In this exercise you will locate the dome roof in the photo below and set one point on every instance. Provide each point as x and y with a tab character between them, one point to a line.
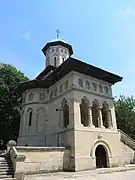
56	42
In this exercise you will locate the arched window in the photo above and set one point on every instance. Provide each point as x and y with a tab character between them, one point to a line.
94	86
55	61
100	88
87	84
30	97
63	59
106	90
65	109
95	113
29	117
84	107
40	120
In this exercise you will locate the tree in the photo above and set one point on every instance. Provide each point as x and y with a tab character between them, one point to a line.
10	101
125	114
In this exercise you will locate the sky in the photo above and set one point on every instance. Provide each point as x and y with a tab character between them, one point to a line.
101	32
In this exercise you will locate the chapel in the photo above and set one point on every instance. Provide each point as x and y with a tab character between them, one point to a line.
70	104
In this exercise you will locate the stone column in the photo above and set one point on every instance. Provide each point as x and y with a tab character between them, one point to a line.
71	112
90	122
21	129
33	127
100	119
74	113
109	119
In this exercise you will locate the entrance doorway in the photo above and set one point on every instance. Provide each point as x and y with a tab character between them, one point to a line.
101	157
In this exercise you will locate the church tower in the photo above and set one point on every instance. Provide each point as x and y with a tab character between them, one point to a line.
56	52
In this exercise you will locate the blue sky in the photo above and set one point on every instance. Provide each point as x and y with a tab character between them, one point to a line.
102	33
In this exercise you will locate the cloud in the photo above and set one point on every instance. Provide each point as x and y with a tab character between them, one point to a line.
25	36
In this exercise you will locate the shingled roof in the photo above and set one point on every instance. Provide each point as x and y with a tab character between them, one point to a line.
56	43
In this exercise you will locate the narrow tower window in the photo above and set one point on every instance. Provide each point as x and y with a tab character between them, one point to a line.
30	118
55	63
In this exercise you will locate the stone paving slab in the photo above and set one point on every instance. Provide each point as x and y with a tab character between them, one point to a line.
100	174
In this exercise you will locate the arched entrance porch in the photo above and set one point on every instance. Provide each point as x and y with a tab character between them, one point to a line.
101	154
101	157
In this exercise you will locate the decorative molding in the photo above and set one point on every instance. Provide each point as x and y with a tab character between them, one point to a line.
99	136
94	86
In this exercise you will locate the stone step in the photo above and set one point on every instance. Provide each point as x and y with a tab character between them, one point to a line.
2	159
5	162
5	176
6	169
5	166
6	172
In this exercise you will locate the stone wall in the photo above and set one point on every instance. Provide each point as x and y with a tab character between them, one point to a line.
47	159
128	154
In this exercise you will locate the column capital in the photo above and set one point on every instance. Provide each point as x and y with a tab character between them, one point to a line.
99	106
72	100
90	105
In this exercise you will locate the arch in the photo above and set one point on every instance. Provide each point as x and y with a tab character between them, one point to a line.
104	144
29	116
40	120
101	157
95	105
84	108
63	58
65	109
30	96
55	61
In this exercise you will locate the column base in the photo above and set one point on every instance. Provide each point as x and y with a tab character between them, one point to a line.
91	126
101	126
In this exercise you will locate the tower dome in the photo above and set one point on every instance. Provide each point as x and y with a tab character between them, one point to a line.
56	52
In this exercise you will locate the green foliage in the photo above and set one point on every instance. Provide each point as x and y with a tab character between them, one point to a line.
125	114
10	101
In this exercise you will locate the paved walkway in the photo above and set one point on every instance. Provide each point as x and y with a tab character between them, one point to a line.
100	174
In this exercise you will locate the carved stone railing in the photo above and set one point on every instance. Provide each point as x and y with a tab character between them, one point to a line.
126	139
16	159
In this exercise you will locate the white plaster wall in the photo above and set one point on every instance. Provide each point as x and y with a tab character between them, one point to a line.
49	124
58	54
85	155
83	158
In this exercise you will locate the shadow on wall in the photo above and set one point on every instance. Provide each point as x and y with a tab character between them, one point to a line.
68	162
